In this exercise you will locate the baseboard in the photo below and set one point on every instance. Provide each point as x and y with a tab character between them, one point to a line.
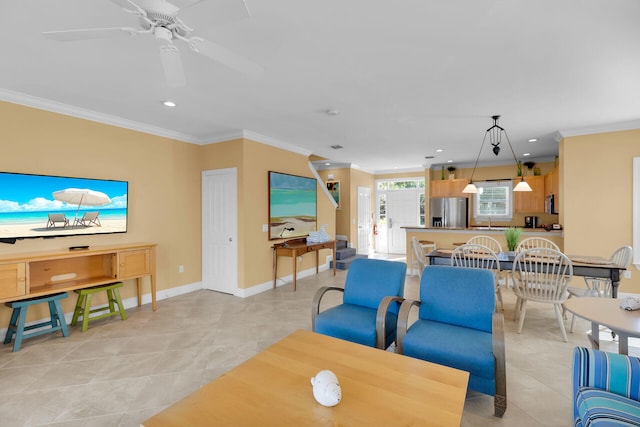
129	302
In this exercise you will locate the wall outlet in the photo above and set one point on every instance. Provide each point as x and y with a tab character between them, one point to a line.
626	274
265	228
181	269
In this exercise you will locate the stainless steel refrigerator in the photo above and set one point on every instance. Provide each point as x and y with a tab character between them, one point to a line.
449	212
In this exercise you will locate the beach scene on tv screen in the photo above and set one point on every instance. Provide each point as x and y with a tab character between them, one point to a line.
47	206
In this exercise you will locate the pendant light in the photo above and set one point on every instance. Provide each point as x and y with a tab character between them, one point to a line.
495	137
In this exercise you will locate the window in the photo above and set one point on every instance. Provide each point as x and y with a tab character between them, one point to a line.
493	200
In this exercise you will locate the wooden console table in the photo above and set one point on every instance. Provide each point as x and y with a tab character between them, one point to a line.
294	248
35	274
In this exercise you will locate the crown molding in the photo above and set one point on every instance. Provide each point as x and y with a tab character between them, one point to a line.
610	127
94	116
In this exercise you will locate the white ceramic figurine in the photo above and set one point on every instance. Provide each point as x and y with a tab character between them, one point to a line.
326	389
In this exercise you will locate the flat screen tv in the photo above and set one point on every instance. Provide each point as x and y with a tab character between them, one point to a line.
54	206
292	205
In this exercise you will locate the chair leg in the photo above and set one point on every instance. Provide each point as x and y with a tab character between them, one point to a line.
499	405
20	329
78	309
13	324
522	312
123	314
573	322
86	312
60	316
560	321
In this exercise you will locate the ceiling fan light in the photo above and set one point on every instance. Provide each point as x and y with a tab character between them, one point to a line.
522	186
470	189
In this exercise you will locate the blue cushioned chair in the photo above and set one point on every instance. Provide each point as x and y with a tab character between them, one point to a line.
458	326
373	292
606	388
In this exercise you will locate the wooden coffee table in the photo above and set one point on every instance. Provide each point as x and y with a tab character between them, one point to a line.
273	389
606	312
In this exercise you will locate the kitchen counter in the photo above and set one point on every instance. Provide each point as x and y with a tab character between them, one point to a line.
446	237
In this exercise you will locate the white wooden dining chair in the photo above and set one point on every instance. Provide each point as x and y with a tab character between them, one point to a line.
419	258
479	256
487	241
535	243
541	275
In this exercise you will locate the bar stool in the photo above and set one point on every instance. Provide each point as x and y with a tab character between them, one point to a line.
83	305
19	315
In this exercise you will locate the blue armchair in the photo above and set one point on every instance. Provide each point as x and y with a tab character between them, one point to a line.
606	388
373	292
458	326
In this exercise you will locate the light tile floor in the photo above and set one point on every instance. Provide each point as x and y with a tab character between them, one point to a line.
119	373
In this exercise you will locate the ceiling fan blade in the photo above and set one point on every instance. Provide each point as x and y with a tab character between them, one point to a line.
225	57
91	33
172	65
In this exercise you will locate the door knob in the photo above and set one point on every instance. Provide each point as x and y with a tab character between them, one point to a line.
231	239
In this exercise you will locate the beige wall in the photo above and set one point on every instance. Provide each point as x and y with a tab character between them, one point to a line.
163	175
254	161
164	178
596	179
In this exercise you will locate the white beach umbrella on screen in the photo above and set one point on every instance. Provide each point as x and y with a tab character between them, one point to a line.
81	197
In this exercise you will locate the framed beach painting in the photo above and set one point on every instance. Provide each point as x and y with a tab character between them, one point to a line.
292	205
334	190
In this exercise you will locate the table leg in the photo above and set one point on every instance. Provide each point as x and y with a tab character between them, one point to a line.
623	343
317	260
334	258
139	284
295	269
594	336
275	267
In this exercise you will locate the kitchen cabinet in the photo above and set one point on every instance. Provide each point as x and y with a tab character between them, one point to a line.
448	187
552	183
552	187
530	201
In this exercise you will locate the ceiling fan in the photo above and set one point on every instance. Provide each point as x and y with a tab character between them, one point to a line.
159	18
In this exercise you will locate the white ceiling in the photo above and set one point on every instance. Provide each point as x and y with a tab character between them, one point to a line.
407	76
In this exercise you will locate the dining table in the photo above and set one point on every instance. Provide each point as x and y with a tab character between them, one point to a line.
583	265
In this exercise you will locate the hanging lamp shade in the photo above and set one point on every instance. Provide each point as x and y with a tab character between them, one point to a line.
495	137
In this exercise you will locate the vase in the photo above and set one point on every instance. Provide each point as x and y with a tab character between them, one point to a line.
452	175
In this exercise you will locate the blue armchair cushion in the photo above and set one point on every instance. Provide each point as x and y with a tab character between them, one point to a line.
598	407
355	323
370	280
611	373
455	346
471	305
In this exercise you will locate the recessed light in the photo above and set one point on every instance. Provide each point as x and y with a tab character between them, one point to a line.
526	154
533	140
327	164
439	150
169	104
332	112
449	161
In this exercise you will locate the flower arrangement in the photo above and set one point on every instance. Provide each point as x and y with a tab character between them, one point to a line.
512	236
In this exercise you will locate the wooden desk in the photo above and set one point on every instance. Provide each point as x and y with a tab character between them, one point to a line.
598	269
379	388
606	312
35	274
296	247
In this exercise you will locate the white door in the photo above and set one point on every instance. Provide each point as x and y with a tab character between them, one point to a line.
219	230
402	211
364	220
